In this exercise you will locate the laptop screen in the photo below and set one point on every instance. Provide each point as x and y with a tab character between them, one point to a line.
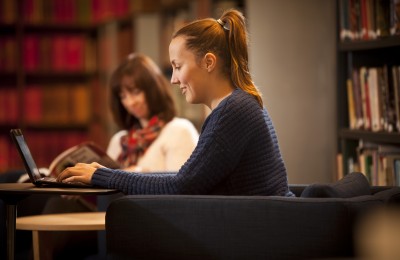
26	155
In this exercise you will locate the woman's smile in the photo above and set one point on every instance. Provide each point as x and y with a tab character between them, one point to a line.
183	90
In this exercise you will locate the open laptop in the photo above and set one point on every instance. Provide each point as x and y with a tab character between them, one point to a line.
32	169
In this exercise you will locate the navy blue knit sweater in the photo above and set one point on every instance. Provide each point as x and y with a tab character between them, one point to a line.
237	154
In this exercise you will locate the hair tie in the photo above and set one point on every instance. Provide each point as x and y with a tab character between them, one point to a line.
223	24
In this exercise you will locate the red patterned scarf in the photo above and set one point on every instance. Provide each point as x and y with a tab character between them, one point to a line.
136	142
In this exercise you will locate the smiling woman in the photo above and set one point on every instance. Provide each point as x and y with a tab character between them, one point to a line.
238	151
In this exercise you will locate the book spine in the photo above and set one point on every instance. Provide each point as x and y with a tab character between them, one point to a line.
358	99
12	106
74	53
8	11
4	151
365	98
383	99
80	100
397	171
364	20
3	105
374	99
7	54
31	53
396	88
382	9
351	105
345	32
394	17
355	19
33	104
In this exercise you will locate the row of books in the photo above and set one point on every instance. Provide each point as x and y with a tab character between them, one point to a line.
54	105
44	146
58	53
379	163
374	99
368	19
84	12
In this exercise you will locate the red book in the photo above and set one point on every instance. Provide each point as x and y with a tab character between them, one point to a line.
67	12
12	111
58	53
2	54
14	161
364	20
31	53
3	105
75	53
58	15
33	100
4	158
28	10
96	11
121	8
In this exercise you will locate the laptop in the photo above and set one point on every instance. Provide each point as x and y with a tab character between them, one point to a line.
33	171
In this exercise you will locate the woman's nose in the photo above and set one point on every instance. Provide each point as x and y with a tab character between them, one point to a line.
130	100
174	79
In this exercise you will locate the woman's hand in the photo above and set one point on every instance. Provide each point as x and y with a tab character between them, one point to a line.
81	172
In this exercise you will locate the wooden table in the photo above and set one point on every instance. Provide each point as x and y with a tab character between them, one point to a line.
12	193
60	222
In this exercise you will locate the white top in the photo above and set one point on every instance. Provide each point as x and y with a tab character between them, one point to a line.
168	152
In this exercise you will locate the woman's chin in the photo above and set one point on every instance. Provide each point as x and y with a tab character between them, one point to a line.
189	99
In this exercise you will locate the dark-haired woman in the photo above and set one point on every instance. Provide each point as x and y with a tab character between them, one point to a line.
152	137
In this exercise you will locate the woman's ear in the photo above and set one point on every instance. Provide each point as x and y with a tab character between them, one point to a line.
210	61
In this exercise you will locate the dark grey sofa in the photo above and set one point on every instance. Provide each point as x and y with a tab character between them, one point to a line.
241	227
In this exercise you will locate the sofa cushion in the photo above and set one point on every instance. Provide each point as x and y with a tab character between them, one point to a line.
352	185
390	196
233	227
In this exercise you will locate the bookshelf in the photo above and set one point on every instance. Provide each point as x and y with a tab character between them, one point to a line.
56	57
368	91
52	85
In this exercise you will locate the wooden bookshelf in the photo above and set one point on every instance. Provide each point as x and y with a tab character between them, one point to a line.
359	59
381	137
54	100
109	33
390	41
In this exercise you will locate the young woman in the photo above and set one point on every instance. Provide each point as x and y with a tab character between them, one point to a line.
153	138
237	152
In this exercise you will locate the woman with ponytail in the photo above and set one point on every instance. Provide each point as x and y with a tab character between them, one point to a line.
237	152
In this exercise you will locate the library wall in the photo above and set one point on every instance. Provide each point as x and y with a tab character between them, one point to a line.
292	58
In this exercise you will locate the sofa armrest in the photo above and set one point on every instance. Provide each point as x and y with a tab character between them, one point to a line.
221	227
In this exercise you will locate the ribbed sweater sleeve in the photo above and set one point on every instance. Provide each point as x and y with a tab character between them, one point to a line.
219	153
